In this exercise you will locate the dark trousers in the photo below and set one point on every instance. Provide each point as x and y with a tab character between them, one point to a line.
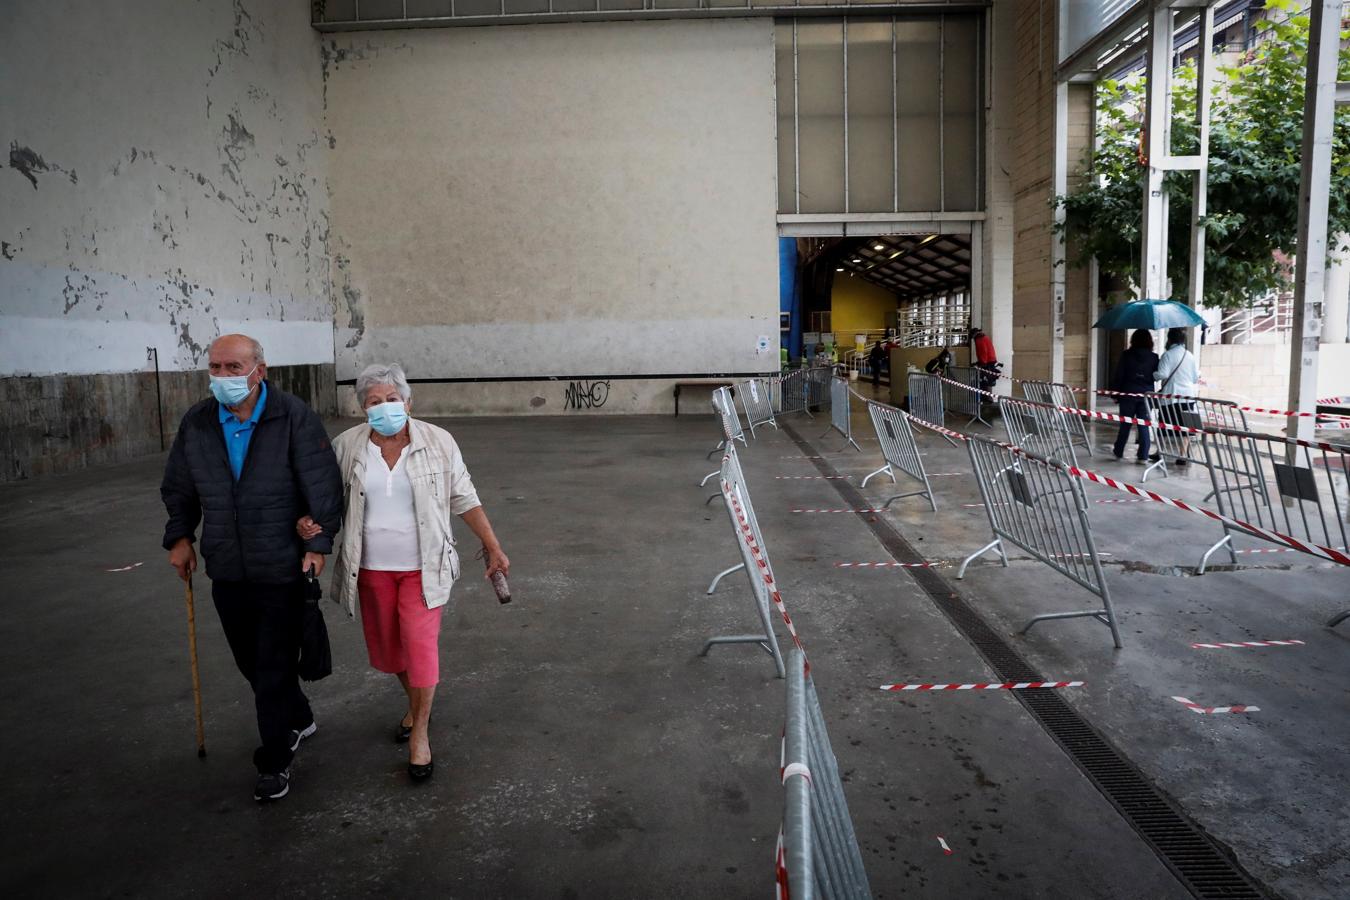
1135	407
262	626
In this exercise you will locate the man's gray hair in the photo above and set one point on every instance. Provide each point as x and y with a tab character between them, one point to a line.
256	347
382	374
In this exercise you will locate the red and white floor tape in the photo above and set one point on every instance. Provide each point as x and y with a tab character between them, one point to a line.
1241	644
1211	710
983	686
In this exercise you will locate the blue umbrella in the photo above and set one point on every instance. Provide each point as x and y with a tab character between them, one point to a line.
1150	314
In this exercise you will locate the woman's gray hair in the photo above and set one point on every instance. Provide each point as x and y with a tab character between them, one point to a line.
382	374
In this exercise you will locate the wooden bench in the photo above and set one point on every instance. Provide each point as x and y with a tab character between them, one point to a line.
699	382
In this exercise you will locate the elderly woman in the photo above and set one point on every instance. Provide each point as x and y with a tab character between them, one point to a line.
403	480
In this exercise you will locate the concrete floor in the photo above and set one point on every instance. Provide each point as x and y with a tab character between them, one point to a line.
583	748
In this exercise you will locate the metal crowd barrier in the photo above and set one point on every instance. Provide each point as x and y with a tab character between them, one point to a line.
757	401
1201	412
803	390
725	407
1057	395
820	857
818	388
841	418
899	449
733	486
1298	488
925	400
1034	503
791	393
1037	427
967	400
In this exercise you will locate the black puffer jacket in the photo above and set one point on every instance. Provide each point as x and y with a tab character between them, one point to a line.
1134	372
248	531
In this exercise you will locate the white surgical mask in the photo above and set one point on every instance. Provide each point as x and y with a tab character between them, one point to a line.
231	390
387	418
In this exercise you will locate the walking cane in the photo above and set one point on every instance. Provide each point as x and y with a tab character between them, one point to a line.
196	677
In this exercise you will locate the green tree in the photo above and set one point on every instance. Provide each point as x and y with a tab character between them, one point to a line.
1256	128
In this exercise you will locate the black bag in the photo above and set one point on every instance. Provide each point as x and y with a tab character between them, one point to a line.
316	656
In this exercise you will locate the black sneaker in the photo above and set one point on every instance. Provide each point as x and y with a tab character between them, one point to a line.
298	735
272	786
1155	457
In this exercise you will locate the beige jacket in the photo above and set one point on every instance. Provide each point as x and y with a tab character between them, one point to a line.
441	489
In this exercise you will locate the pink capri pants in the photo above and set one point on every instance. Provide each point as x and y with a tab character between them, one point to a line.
402	635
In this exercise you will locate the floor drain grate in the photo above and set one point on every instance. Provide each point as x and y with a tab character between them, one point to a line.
1206	868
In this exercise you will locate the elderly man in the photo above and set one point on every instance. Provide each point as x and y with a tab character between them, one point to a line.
247	463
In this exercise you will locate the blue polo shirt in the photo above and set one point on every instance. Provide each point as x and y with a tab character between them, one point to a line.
238	434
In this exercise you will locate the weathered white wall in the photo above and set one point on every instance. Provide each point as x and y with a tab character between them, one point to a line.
1258	374
164	184
555	200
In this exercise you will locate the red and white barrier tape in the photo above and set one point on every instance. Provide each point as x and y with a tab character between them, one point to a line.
1197	708
1132	420
1241	644
811	477
983	686
1329	553
965	386
888	565
763	565
780	872
863	510
942	842
1275	550
1283	413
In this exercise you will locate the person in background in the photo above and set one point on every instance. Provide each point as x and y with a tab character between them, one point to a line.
245	463
1179	373
986	360
939	364
1134	375
875	359
404	478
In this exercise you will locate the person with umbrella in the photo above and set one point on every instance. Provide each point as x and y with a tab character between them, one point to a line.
244	464
404	479
1177	370
1134	375
1179	373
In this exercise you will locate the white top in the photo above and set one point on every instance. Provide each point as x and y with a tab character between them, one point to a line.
389	533
1182	372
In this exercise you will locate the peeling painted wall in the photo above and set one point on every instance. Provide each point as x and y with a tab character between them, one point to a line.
555	200
162	180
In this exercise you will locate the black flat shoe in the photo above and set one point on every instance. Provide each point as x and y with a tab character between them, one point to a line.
402	733
419	772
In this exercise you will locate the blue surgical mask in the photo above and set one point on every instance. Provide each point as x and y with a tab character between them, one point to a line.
387	418
231	390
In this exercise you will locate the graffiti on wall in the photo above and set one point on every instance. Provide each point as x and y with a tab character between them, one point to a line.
586	395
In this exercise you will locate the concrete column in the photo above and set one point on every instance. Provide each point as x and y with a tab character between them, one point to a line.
1037	316
1313	208
1336	303
998	234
